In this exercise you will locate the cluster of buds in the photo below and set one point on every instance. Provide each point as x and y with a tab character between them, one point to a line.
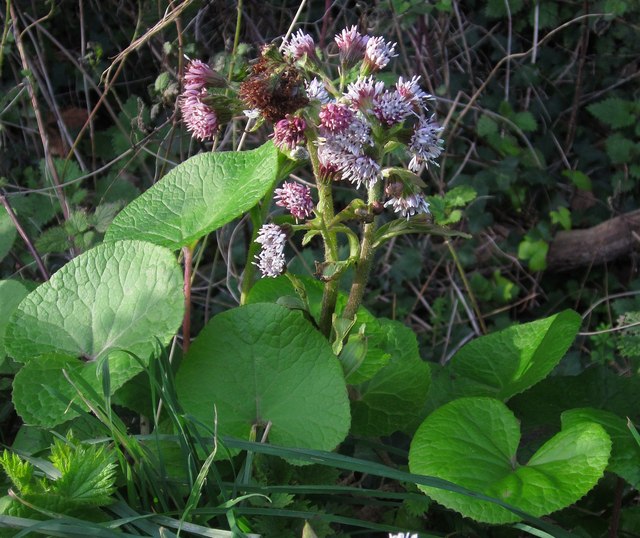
350	124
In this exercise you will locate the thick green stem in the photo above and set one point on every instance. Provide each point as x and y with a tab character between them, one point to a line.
365	260
363	268
326	213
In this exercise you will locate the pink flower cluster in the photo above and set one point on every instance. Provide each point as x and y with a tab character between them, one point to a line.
201	120
296	198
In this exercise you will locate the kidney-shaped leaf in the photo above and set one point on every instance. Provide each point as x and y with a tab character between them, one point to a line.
262	364
115	298
198	196
125	295
507	362
472	442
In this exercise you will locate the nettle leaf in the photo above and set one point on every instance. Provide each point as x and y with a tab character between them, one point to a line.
393	400
116	298
11	294
507	362
198	196
263	364
619	148
614	111
473	442
625	452
7	234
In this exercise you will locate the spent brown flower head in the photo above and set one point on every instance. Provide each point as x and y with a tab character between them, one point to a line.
276	89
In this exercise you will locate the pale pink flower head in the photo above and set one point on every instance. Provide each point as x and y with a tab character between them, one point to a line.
296	198
412	92
201	120
288	133
335	117
198	75
377	54
391	108
408	205
360	170
316	91
271	260
298	45
426	144
352	45
362	93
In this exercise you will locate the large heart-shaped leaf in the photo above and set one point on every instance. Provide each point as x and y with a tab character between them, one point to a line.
473	443
625	452
262	364
507	362
11	294
116	298
198	196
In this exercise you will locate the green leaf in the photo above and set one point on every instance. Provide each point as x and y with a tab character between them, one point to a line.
417	224
198	196
473	442
460	196
88	474
525	121
7	233
11	294
619	148
486	126
507	362
562	217
535	251
614	111
262	364
118	296
393	400
625	452
579	179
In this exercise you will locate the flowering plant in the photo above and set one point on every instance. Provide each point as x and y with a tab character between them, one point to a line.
346	123
300	363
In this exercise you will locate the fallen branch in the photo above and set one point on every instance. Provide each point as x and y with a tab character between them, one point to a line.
593	246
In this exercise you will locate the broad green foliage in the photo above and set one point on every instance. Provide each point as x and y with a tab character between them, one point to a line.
507	362
473	443
391	361
11	293
116	298
82	478
7	233
625	452
260	365
198	196
393	399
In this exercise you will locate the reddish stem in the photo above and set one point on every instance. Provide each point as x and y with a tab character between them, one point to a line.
186	322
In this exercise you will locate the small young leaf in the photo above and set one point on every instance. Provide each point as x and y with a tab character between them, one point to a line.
579	179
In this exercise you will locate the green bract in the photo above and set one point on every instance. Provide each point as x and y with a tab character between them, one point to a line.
116	298
262	364
198	196
472	442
